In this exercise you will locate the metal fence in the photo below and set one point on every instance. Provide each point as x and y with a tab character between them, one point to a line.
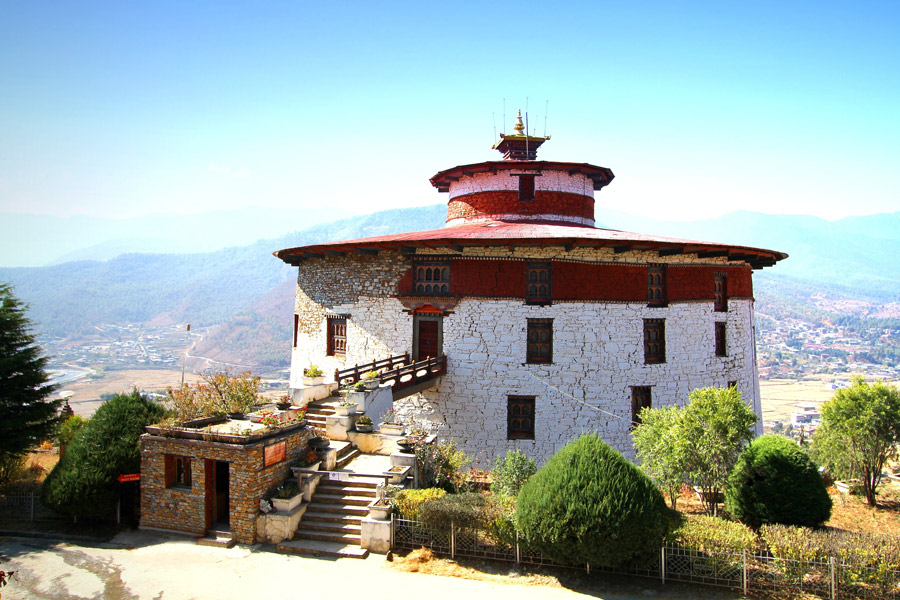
748	571
27	506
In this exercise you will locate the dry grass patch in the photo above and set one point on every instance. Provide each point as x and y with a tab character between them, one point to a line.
423	560
851	513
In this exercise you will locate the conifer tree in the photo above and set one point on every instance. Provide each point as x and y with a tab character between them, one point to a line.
27	414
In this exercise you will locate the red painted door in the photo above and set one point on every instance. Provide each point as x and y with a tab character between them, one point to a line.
428	339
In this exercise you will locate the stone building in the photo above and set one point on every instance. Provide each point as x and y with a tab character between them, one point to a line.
551	326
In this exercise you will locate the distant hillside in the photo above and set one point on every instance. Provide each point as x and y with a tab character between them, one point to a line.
244	294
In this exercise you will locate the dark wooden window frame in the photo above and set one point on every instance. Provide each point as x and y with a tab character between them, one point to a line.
296	327
520	417
721	332
526	188
641	397
535	353
431	278
654	341
537	291
177	471
337	336
720	303
656	285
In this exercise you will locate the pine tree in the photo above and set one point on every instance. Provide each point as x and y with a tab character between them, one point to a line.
27	414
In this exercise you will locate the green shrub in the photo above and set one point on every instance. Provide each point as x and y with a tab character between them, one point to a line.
69	428
588	504
83	482
469	509
407	502
774	481
712	534
12	466
510	473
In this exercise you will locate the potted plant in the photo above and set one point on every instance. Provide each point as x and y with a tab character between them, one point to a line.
371	380
287	497
359	386
390	423
313	375
398	473
319	442
284	403
345	407
407	445
309	460
300	416
383	505
364	424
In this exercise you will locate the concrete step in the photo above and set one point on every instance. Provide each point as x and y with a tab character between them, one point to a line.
347	458
330	527
330	517
342	509
322	536
361	484
346	490
319	548
217	539
339	499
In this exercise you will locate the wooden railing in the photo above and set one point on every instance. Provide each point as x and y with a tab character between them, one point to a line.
409	375
355	373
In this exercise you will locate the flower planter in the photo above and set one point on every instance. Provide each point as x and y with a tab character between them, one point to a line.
283	405
391	428
344	410
287	505
381	512
397	473
237	416
371	384
364	428
314	380
318	443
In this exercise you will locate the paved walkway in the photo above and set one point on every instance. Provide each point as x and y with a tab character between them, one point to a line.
146	565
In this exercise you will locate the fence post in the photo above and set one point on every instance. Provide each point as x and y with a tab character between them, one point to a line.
746	584
662	564
452	540
393	526
833	580
518	550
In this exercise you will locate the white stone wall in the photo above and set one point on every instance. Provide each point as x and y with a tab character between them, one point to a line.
549	180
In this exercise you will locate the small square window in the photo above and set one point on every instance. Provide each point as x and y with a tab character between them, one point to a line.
656	286
540	341
654	340
732	384
641	398
538	283
721	349
178	471
337	336
520	418
431	279
721	298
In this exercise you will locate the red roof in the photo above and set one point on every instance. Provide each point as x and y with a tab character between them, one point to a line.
534	234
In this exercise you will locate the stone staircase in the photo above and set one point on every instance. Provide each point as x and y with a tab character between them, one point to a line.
217	538
331	523
317	410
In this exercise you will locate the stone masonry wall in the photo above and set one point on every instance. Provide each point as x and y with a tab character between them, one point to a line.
182	509
597	349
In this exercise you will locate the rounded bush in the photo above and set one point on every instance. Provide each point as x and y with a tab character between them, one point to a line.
589	504
774	481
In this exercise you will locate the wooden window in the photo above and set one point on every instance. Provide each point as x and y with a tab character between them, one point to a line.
538	283
720	339
520	418
296	326
656	286
540	341
337	336
640	398
432	279
526	188
654	340
178	471
721	301
732	384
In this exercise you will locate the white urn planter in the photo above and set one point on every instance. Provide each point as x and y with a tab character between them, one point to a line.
391	428
287	505
313	380
380	512
343	410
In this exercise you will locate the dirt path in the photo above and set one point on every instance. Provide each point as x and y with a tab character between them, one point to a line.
145	565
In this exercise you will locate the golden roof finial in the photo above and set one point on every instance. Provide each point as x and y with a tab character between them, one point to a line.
519	127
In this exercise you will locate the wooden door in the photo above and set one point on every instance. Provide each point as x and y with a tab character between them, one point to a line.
427	334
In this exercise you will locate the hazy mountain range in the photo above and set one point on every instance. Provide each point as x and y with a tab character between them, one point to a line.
245	292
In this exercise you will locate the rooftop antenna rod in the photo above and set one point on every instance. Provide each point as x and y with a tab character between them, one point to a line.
546	108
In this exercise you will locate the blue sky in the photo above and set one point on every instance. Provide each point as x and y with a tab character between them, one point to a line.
120	109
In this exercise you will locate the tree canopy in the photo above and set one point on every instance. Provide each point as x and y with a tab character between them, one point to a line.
27	413
659	448
859	433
